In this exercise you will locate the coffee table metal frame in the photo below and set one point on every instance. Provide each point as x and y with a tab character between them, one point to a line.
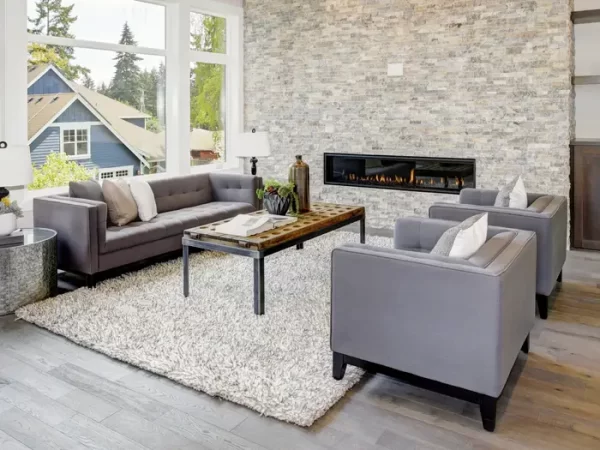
259	255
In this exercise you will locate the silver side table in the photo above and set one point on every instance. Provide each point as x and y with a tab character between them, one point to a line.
28	272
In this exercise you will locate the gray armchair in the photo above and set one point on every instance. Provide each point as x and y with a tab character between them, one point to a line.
546	216
460	323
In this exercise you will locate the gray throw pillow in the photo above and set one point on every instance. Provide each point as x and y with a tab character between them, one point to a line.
122	208
88	190
446	242
503	198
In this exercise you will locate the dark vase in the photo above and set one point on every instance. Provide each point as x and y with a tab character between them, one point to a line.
276	204
299	174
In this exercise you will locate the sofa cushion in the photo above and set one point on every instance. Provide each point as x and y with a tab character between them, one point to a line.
182	192
179	221
88	190
492	248
170	224
132	234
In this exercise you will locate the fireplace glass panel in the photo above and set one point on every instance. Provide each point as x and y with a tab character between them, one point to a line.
444	175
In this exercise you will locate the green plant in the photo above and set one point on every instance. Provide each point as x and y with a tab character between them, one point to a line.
283	190
58	171
8	207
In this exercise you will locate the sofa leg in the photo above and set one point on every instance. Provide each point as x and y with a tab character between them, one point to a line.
525	348
487	406
542	303
339	366
560	277
90	281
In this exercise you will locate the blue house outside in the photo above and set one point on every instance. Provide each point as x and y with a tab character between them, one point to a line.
97	132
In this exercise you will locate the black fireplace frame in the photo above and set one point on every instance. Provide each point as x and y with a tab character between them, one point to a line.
413	159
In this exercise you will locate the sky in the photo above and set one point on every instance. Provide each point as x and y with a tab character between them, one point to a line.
103	21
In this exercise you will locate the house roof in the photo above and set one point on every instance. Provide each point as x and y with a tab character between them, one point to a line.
150	146
44	109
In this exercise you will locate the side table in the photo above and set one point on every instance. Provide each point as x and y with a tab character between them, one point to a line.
28	271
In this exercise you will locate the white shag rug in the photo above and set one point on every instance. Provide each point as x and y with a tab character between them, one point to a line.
278	364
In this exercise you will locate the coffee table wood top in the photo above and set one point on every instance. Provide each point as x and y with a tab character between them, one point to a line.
321	216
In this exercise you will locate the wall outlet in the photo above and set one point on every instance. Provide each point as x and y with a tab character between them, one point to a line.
395	70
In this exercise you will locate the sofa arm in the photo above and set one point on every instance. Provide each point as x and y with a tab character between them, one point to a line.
550	226
230	187
452	323
81	228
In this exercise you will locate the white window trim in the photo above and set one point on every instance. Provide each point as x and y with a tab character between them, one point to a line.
178	57
75	126
129	170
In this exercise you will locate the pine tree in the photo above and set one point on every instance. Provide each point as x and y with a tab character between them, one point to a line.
126	85
88	82
54	19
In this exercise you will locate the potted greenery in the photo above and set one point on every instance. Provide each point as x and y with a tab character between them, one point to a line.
278	197
8	216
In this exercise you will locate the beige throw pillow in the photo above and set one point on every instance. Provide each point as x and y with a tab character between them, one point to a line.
122	208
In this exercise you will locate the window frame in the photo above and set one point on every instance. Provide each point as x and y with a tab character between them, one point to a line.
76	126
114	170
178	58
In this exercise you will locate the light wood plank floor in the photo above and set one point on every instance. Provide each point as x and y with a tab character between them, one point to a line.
57	395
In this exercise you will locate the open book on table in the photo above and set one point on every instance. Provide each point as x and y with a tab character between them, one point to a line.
247	225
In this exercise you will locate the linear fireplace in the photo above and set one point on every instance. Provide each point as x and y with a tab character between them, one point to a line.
444	175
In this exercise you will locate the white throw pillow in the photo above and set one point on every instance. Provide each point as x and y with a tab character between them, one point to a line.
513	195
518	196
463	240
144	197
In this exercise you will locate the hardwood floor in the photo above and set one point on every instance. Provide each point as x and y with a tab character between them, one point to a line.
57	395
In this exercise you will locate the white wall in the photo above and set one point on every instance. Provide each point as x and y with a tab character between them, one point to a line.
2	67
587	4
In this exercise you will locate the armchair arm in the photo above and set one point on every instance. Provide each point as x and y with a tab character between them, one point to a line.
451	322
230	187
81	228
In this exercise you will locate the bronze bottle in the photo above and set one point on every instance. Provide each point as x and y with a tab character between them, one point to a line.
299	174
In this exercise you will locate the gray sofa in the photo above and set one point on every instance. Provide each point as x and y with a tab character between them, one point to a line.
546	215
460	323
89	245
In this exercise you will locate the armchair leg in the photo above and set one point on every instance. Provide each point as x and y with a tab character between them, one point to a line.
560	277
487	407
339	366
525	348
90	281
542	303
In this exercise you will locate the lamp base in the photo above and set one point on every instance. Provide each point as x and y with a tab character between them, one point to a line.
3	193
254	161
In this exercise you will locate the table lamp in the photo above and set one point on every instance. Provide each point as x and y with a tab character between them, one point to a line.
251	145
15	167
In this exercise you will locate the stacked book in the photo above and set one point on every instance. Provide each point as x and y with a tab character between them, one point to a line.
12	240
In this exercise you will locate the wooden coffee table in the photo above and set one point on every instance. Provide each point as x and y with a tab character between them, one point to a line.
323	218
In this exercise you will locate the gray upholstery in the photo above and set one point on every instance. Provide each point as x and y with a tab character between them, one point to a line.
88	246
448	320
546	216
89	190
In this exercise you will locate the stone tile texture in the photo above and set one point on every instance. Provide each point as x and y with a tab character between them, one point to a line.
482	79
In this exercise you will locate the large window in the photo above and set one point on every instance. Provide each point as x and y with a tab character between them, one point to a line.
208	99
123	87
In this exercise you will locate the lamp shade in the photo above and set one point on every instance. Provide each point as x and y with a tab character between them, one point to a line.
249	145
15	166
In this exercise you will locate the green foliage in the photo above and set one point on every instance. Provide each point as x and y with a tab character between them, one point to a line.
54	19
59	171
8	207
208	80
126	85
283	190
88	82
